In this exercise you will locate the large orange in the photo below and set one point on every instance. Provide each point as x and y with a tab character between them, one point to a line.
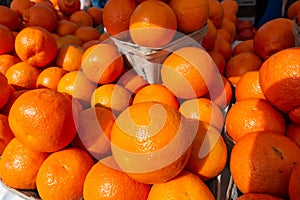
294	183
146	28
7	40
262	163
253	115
5	91
188	72
151	142
9	18
50	77
62	174
184	186
191	14
69	57
36	46
6	134
50	125
106	181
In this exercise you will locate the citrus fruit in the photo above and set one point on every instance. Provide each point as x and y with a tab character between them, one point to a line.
50	77
5	91
6	134
7	40
294	184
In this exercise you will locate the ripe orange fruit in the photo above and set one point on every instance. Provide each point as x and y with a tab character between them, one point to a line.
230	6
96	14
216	12
224	34
6	61
19	6
118	185
13	96
279	78
112	96
241	63
90	43
22	76
188	72
223	47
209	152
191	15
51	124
5	91
81	18
294	115
19	165
148	29
293	132
6	134
294	184
219	61
67	7
176	188
156	92
248	86
116	17
243	46
7	40
210	37
68	39
50	77
253	115
36	46
231	16
9	18
256	157
87	33
132	81
228	25
65	27
154	136
293	10
62	174
257	196
102	63
203	109
273	36
69	57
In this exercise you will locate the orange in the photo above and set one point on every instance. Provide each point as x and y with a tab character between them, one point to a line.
65	27
62	174
5	91
203	109
112	96
6	61
67	7
69	57
230	6
188	72
90	43
243	46
68	39
6	134
22	76
50	77
150	142
294	115
13	96
184	186
210	37
94	130
223	47
104	37
106	181
9	18
279	77
241	63
132	81
262	163
293	132
19	165
273	36
36	46
228	25
219	61
76	84
96	14
209	152
248	86
191	15
156	92
216	12
294	184
253	115
116	17
231	15
293	10
50	126
19	6
257	196
148	29
81	18
102	63
87	33
224	34
7	40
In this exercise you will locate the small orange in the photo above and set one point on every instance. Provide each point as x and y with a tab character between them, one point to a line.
263	162
5	91
50	125
62	174
293	10
209	152
13	96
7	40
65	27
230	6
96	14
9	18
6	61
19	165
294	184
148	29
231	15
112	96
150	142
87	33
294	115
224	34
132	81
67	7
6	134
191	15
184	186
68	39
102	63
253	115
248	86
219	60
50	77
257	196
69	57
90	43
243	46
22	76
293	132
36	46
216	12
81	18
19	6
188	72
105	180
210	37
228	25
223	47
